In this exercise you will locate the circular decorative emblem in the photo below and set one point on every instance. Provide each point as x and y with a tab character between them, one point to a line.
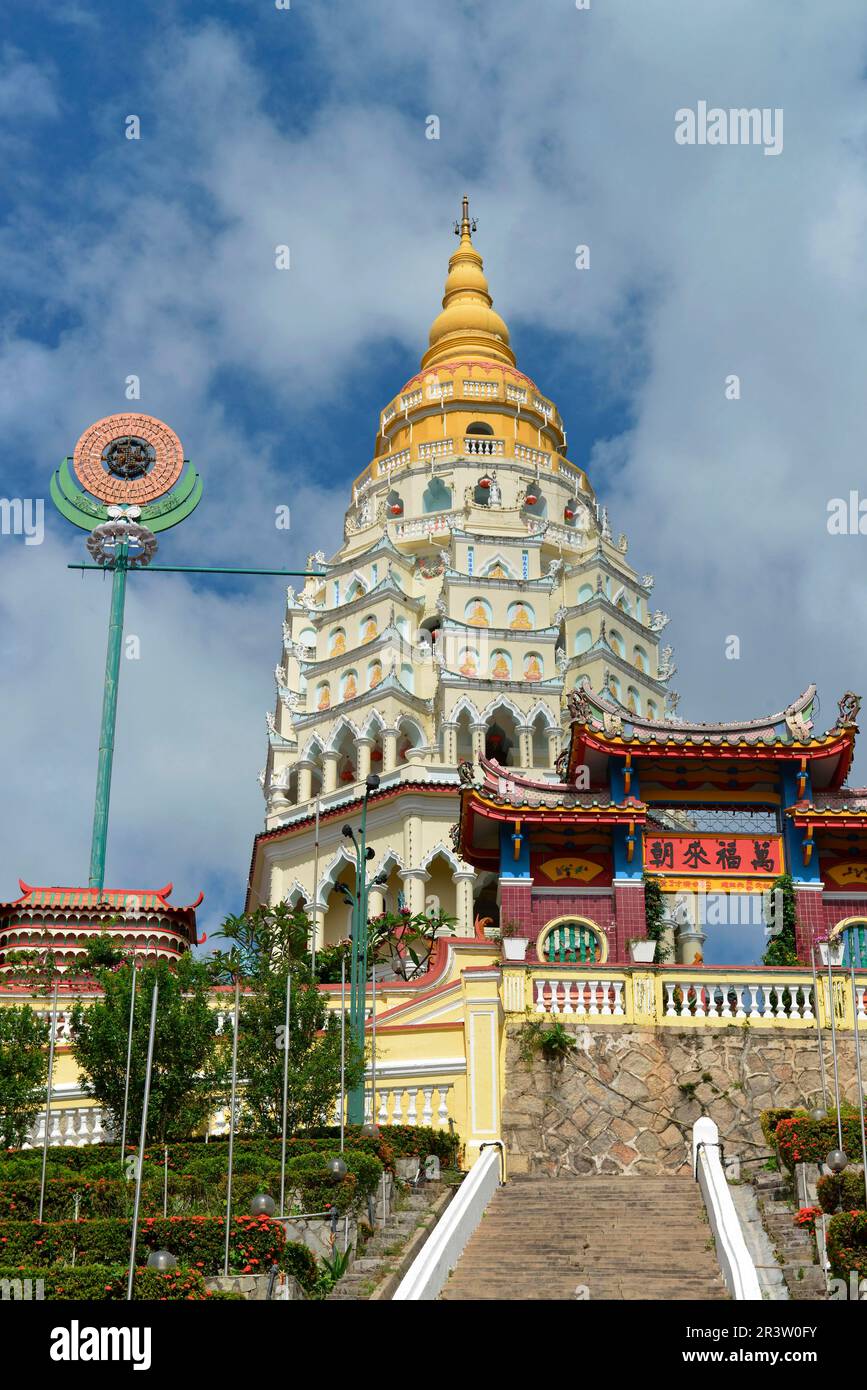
128	459
104	540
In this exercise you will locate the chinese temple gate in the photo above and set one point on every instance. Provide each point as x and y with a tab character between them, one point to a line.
712	811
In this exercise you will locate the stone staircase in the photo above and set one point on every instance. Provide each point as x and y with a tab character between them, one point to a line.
383	1252
615	1237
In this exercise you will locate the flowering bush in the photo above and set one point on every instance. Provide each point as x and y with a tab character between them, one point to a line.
846	1190
847	1244
255	1243
804	1140
806	1218
319	1190
108	1283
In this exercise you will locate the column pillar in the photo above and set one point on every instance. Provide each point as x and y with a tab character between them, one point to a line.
483	1025
330	759
450	744
364	747
478	732
305	782
389	750
525	745
464	880
555	744
414	881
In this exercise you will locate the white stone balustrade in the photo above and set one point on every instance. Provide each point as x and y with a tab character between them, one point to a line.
583	997
71	1128
486	390
725	999
436	448
528	455
424	1103
484	447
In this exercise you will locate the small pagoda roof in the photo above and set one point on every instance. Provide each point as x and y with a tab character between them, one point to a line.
503	794
845	805
602	726
98	906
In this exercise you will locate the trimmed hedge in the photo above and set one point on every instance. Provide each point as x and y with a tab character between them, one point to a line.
318	1190
803	1140
107	1283
209	1159
255	1243
842	1190
114	1196
847	1244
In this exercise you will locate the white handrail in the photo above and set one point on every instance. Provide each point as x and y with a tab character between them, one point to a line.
426	1276
735	1260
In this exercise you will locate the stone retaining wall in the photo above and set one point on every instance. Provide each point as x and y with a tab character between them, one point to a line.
626	1100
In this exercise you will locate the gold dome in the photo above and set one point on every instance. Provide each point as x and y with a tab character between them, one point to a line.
468	326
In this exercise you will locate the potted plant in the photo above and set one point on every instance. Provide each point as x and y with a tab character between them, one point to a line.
514	945
642	950
834	949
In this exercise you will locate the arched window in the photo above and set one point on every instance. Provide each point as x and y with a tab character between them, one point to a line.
368	628
374	674
534	666
479	427
652	712
323	695
307	636
615	687
615	642
349	685
436	496
583	640
640	659
500	665
633	699
468	661
337	642
585	593
407	677
572	941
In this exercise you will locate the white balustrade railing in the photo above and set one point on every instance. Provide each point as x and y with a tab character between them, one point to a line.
861	1000
423	1103
392	462
71	1128
516	394
483	447
587	997
528	455
411	399
488	390
436	448
751	1000
441	390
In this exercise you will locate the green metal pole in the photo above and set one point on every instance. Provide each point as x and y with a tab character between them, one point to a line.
359	967
109	720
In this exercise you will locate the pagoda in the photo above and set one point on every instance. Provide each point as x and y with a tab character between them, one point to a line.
478	580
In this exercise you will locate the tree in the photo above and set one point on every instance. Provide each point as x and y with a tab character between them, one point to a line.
267	945
190	1065
23	1071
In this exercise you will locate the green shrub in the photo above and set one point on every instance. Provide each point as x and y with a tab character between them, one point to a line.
301	1262
108	1283
804	1140
318	1190
771	1118
847	1244
198	1241
842	1190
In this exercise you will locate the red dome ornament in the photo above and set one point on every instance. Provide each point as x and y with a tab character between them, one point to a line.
485	483
531	499
568	513
396	508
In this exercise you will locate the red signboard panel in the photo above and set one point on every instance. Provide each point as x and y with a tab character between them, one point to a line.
714	854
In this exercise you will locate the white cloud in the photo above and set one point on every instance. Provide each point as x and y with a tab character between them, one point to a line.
704	261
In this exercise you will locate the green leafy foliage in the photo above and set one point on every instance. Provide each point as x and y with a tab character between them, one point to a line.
101	1283
23	1071
318	1190
655	916
847	1244
844	1191
551	1039
190	1067
804	1140
781	947
255	1243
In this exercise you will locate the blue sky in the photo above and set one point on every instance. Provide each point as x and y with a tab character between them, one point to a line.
307	127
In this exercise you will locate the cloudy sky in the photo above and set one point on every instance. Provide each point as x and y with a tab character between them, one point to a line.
307	128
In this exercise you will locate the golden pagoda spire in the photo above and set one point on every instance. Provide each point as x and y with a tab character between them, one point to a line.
468	326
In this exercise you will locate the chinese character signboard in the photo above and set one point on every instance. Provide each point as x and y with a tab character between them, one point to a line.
571	870
845	875
706	855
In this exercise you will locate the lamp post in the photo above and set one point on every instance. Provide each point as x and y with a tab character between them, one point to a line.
857	1041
